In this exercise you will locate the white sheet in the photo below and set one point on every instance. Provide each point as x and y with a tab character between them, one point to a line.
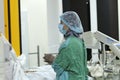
15	71
42	73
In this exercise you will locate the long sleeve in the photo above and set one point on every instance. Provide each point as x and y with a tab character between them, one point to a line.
60	64
70	63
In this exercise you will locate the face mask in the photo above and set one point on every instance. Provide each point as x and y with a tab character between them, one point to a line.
60	26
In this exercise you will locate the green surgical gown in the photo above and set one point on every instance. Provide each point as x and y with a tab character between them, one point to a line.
70	63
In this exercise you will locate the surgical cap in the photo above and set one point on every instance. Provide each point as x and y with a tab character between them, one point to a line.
72	20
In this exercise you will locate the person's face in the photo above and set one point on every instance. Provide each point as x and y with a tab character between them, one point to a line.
65	26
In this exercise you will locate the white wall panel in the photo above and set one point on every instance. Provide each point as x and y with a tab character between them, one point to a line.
1	16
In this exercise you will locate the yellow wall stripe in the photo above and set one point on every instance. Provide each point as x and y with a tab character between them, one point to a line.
12	23
15	32
6	19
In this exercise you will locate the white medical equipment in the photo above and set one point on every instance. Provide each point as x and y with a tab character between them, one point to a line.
112	43
98	40
116	48
93	40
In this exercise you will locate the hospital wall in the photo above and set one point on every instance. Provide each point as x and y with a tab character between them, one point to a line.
93	15
119	17
40	18
54	10
37	19
93	19
1	16
36	28
1	43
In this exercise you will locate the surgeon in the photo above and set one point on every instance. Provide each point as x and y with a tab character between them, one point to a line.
70	63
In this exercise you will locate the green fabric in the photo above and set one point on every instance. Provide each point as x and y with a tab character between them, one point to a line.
72	59
61	73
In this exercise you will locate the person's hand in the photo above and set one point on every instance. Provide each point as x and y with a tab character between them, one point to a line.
48	58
